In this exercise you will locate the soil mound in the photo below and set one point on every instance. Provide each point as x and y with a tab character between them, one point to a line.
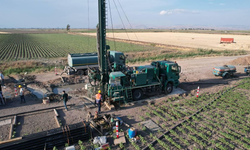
241	61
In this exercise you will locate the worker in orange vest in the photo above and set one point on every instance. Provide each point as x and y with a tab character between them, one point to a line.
98	98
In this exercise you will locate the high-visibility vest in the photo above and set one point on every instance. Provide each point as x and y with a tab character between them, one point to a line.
98	97
21	92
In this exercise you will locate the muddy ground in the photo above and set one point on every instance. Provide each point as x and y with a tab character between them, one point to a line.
195	72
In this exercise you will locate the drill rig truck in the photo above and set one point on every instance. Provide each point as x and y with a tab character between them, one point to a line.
118	82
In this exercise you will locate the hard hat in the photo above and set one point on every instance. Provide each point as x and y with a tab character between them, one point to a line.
99	91
19	86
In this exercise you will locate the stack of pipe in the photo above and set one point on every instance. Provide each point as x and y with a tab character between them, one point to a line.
48	139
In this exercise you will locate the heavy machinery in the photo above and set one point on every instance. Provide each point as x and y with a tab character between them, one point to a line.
119	83
225	71
247	70
78	63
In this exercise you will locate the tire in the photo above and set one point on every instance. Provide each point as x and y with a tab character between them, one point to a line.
80	72
226	76
86	72
137	94
169	88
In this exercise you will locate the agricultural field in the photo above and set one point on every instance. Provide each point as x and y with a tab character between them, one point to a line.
191	40
14	47
211	121
32	46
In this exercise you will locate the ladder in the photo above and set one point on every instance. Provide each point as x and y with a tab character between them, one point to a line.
129	96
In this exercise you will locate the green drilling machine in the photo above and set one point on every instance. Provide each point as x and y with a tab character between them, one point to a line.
120	83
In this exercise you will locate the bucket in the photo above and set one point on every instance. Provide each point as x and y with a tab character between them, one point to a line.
132	132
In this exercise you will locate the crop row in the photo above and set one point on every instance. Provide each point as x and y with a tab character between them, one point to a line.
30	46
222	125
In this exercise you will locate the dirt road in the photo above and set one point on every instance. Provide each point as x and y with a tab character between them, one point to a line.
193	71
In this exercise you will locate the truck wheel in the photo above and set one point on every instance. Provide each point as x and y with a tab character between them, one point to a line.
137	94
169	88
226	76
86	72
80	72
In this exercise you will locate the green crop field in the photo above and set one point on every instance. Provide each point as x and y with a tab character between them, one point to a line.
211	121
32	46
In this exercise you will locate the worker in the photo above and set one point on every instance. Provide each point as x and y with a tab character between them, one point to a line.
65	99
1	97
98	99
21	94
1	78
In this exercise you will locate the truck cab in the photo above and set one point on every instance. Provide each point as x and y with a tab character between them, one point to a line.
169	74
116	86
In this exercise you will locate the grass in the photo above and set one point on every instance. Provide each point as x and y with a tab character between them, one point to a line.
183	54
23	69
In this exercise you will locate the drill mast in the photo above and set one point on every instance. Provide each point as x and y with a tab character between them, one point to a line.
102	46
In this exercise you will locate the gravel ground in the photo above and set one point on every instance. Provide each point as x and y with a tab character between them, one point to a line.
193	71
4	132
34	123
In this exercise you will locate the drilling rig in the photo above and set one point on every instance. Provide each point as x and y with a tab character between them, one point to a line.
119	83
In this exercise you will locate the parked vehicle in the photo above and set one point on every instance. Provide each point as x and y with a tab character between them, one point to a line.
225	71
247	70
78	63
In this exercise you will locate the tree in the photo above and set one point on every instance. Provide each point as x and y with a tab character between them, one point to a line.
68	27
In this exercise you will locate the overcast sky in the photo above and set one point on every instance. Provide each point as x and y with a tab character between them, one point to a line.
140	13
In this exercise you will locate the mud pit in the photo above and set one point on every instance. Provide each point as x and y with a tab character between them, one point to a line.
195	72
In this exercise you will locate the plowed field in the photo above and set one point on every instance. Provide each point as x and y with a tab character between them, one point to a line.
192	40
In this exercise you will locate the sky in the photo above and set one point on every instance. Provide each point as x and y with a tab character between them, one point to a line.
228	14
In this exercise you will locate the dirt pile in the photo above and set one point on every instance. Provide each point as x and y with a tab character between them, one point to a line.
241	61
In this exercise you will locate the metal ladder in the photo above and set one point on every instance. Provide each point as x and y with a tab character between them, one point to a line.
129	96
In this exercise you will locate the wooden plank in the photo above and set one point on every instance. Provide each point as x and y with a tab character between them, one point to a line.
95	129
121	139
107	105
5	122
14	120
56	113
151	125
11	131
11	140
35	111
57	122
62	79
